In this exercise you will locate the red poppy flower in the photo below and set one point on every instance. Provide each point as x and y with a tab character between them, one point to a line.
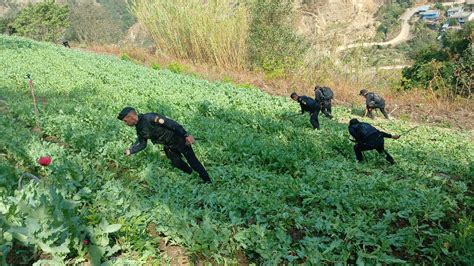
44	160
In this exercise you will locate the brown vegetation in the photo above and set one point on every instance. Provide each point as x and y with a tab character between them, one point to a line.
417	105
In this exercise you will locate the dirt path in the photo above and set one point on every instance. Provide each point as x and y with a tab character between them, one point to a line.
404	34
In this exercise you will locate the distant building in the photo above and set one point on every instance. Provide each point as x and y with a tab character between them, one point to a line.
454	10
430	15
422	9
469	5
463	17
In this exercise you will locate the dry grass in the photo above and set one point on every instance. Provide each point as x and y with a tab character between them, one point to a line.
212	31
417	105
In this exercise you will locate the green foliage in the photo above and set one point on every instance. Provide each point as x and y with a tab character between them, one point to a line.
273	44
423	38
272	73
227	79
44	21
6	25
457	42
282	192
126	57
439	6
155	66
447	68
176	67
453	22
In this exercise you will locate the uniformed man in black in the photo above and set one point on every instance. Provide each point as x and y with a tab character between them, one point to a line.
367	138
373	101
324	95
308	105
162	130
65	42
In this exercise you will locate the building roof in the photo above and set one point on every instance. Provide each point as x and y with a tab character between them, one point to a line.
461	15
430	13
424	8
455	9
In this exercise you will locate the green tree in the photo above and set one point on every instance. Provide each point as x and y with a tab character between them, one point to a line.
45	21
439	6
453	22
274	46
6	26
448	67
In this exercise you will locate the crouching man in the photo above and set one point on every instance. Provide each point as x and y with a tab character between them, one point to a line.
368	138
162	130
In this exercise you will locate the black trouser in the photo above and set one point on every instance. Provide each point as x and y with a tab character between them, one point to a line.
313	119
326	108
375	143
371	115
66	44
175	153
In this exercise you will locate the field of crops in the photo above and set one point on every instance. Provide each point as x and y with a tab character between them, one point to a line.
282	192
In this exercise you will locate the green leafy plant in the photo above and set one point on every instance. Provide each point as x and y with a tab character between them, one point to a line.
125	57
155	66
176	67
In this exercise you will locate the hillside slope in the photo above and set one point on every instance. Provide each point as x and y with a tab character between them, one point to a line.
282	192
328	21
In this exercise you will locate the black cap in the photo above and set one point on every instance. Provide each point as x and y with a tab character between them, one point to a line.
125	111
363	92
353	121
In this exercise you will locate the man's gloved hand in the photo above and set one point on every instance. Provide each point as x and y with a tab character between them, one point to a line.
395	136
189	140
127	152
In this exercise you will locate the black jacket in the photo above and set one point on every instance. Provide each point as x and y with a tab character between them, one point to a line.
365	133
308	104
374	100
323	94
157	128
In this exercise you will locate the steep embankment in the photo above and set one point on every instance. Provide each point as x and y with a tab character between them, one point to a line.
330	23
282	192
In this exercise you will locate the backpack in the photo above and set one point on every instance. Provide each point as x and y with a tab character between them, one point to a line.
376	101
327	93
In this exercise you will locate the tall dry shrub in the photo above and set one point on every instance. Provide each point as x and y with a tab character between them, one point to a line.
212	31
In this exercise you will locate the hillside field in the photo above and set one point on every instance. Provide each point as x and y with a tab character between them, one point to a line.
282	192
